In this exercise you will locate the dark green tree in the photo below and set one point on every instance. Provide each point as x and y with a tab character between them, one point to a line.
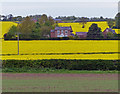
12	33
76	36
117	20
83	19
110	35
94	32
110	23
36	33
46	23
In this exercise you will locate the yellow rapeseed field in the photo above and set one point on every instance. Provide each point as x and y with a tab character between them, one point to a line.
65	49
117	31
77	27
5	26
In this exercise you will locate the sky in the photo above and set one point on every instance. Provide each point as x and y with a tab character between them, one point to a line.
54	8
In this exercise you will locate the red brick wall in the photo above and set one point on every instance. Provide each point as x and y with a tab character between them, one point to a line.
54	34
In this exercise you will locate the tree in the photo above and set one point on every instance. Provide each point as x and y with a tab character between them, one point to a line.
43	19
101	17
12	33
110	23
117	20
45	31
46	24
26	27
71	37
10	16
83	19
76	36
19	18
110	35
36	33
94	32
51	20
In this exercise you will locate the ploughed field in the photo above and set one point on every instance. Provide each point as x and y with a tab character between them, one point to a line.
25	82
61	49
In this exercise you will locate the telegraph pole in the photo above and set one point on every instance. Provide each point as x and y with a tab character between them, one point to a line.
18	42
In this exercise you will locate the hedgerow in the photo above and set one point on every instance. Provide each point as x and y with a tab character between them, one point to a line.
63	64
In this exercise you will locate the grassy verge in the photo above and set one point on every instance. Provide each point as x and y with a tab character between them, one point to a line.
47	70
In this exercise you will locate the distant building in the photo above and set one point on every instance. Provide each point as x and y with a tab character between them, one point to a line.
78	20
58	20
81	35
108	30
61	32
33	19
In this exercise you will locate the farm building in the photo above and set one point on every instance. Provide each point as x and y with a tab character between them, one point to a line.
58	20
81	35
61	32
108	30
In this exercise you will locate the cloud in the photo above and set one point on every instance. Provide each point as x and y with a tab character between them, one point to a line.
61	9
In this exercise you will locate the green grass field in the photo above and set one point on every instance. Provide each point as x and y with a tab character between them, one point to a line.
43	82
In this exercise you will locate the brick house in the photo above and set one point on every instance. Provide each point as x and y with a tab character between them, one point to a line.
81	35
108	30
61	32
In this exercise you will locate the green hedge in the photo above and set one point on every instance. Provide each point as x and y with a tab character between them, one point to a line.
63	64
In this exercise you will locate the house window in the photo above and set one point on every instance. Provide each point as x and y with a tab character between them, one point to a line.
66	31
62	31
58	32
66	35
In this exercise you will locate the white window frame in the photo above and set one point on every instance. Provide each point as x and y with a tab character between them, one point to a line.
61	31
66	31
58	31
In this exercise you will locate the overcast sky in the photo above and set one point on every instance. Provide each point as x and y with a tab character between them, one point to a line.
88	8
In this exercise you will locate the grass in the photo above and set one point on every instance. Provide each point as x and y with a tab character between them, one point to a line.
59	82
48	70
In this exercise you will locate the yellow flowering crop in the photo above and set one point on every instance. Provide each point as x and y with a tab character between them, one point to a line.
5	26
77	27
64	49
61	49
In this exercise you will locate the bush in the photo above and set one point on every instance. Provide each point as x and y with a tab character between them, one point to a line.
63	64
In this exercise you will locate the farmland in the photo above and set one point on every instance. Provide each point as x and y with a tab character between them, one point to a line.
77	27
5	26
24	82
61	49
64	49
69	49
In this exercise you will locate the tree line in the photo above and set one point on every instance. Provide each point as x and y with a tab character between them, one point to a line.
28	29
41	27
112	22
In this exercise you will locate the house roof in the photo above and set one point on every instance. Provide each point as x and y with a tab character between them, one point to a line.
81	33
78	20
57	20
110	30
63	28
52	30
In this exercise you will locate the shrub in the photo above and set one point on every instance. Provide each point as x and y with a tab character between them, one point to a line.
63	64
